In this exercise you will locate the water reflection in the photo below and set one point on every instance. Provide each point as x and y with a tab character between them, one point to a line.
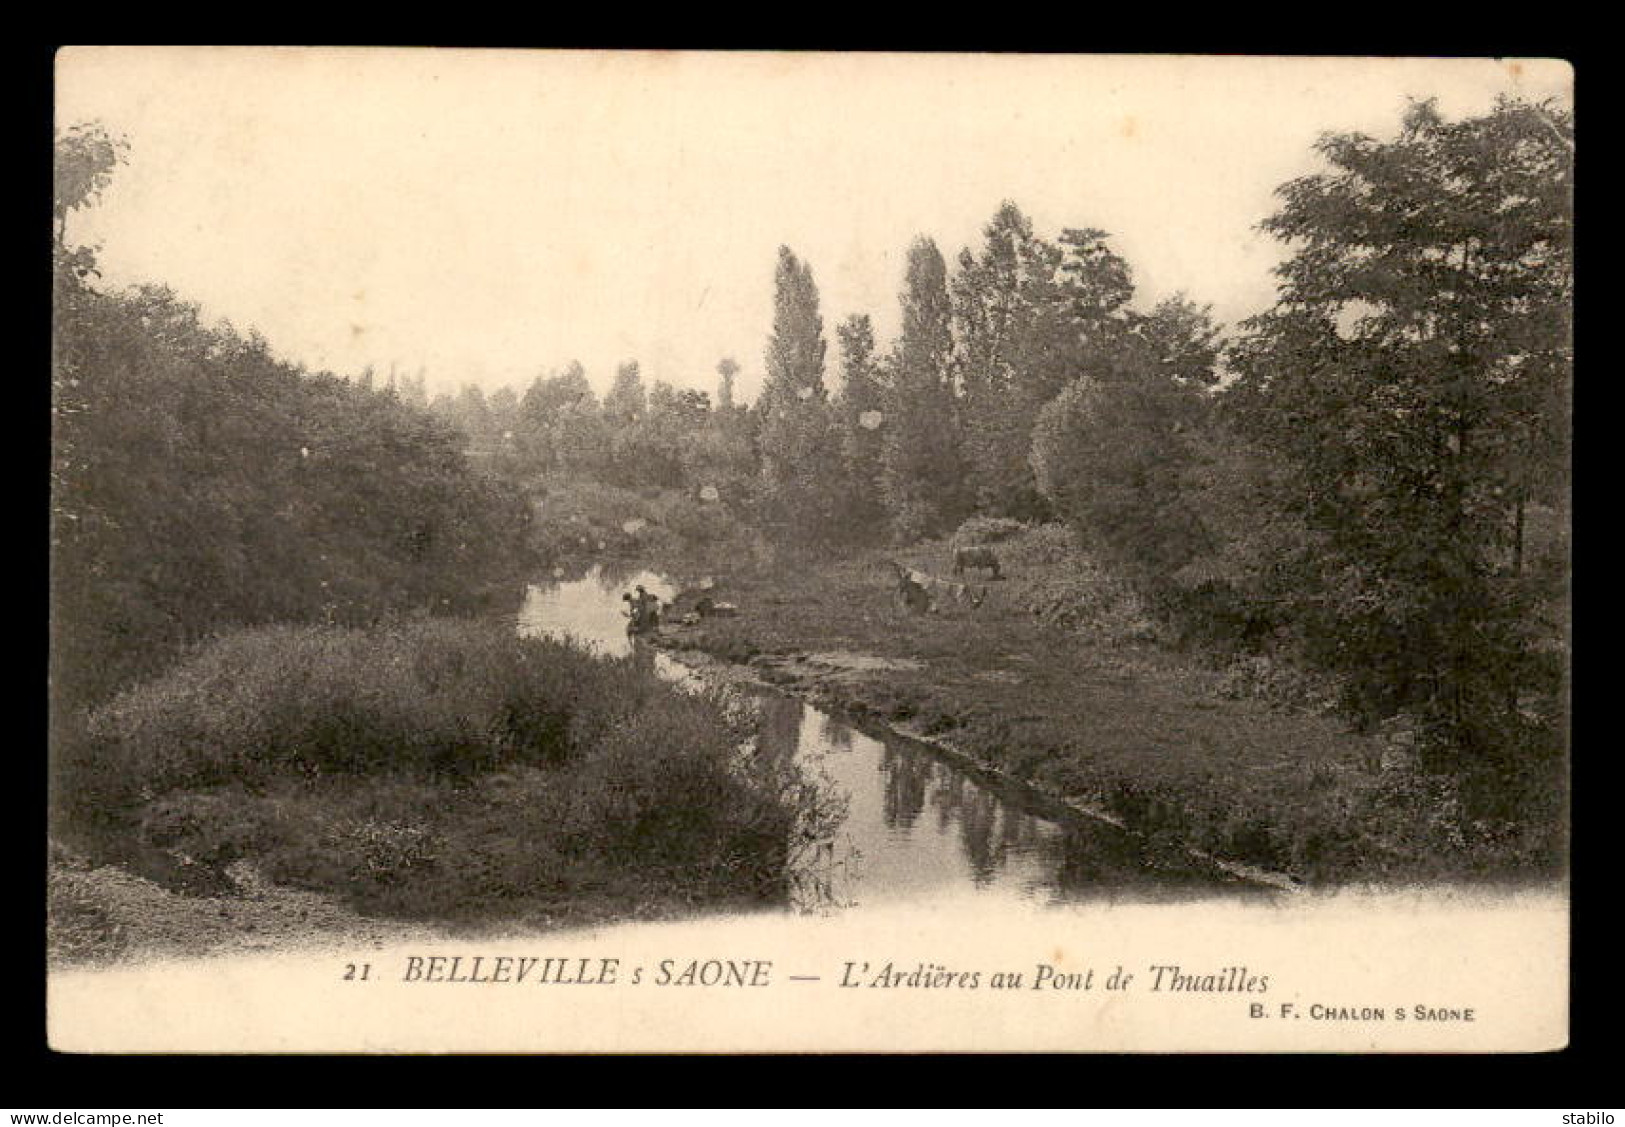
919	826
915	825
779	722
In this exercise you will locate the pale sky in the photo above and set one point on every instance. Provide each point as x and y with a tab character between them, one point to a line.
492	215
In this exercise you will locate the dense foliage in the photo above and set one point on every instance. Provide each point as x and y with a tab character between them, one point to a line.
199	483
1369	480
442	769
1382	490
1415	379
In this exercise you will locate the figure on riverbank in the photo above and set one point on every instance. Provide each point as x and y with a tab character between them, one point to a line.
643	611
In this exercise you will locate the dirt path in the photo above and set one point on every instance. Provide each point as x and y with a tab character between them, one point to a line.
104	913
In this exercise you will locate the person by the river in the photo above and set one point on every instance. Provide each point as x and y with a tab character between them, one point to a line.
644	611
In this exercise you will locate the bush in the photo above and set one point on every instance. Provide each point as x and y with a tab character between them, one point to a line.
987	530
697	522
580	518
662	790
576	518
1077	595
201	484
912	521
1048	544
212	828
439	769
443	698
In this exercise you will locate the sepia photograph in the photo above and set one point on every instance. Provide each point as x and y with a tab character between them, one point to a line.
750	551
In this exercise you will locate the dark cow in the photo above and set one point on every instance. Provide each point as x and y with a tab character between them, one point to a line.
975	557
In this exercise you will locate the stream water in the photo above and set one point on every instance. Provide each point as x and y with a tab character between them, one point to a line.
916	825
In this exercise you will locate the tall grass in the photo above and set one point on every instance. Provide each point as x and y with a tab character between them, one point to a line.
437	769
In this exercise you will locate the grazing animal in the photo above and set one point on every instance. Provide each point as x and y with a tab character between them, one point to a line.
926	594
975	556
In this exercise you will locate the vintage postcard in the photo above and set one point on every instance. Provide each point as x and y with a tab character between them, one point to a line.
589	551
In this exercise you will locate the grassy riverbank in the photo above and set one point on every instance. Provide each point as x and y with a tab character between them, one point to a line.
444	774
1061	680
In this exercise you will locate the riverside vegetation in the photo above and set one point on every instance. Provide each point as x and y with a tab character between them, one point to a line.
283	651
1063	680
1294	592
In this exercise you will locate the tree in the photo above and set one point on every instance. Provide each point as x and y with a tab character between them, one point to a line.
1109	453
473	415
1095	283
549	396
86	156
727	370
627	399
799	445
199	483
923	473
1415	375
724	460
504	407
412	391
559	426
1029	317
860	410
996	295
1181	336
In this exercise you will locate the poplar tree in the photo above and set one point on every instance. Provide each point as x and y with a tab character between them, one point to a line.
923	472
627	398
997	295
862	419
727	372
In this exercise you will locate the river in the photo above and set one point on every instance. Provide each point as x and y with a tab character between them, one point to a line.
917	826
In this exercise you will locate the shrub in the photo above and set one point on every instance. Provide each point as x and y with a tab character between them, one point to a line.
1048	544
663	787
440	769
913	520
215	828
987	530
580	517
697	522
443	698
1079	597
